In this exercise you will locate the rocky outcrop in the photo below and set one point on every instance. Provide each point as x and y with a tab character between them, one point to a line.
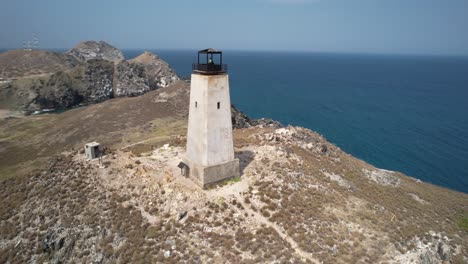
266	122
157	72
129	79
97	80
241	120
140	75
89	50
433	248
383	177
91	72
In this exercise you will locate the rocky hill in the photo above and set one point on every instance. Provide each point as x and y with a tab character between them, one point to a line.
89	73
299	198
158	73
89	50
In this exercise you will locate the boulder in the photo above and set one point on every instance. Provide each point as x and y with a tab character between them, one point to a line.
444	252
428	257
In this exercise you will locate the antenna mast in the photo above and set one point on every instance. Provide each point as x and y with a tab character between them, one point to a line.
31	44
35	40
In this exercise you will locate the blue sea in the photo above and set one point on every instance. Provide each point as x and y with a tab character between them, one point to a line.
397	112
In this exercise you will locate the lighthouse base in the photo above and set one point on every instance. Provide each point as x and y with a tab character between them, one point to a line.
205	176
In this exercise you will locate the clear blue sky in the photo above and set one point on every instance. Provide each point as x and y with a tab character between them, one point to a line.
371	26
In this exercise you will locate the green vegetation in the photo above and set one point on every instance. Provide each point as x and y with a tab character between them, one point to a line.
233	180
463	222
224	183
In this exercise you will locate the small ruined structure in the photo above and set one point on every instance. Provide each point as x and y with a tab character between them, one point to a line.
92	150
210	150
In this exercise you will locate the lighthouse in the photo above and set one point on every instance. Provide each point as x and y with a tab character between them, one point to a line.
210	150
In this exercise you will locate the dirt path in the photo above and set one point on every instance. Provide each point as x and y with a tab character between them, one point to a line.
235	190
4	113
146	140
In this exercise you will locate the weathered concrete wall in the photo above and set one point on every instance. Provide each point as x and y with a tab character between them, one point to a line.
210	148
209	137
206	176
92	149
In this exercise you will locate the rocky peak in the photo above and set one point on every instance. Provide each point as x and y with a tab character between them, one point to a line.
157	71
87	50
146	58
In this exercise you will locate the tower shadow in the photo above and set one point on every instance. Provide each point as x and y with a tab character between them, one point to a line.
245	158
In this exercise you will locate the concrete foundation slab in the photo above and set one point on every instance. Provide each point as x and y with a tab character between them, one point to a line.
205	176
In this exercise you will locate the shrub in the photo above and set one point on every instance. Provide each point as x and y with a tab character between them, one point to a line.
152	232
463	222
265	213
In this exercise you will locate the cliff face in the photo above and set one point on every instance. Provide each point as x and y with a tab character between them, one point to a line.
130	79
142	74
97	78
157	72
91	72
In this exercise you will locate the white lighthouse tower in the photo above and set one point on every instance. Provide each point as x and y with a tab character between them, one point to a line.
210	151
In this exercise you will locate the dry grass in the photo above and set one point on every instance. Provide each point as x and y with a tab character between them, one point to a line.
118	122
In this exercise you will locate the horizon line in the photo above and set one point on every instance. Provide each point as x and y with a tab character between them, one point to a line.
280	50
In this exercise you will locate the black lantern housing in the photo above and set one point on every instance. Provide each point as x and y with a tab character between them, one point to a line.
210	62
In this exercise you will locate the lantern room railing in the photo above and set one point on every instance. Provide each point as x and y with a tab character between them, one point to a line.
209	69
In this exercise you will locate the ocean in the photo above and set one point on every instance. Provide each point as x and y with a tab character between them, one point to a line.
397	112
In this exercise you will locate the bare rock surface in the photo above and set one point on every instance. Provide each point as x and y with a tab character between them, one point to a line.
380	176
157	72
89	50
241	120
129	80
339	179
97	78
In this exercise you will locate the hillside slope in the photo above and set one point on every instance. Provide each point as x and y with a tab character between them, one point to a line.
27	63
299	199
